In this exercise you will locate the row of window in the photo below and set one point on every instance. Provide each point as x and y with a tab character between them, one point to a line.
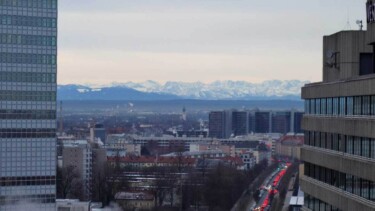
18	39
354	145
41	198
6	95
45	4
27	133
16	20
349	183
23	181
318	205
358	105
27	114
23	58
27	77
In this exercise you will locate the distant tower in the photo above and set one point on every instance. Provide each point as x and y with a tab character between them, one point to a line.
184	113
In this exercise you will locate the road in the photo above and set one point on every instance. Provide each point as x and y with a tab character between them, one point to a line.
269	185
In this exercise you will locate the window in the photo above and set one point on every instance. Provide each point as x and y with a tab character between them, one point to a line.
329	106
357	105
317	106
312	104
335	106
365	147
323	106
349	105
366	105
342	106
357	146
349	144
365	63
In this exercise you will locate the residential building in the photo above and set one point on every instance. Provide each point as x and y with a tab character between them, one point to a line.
28	65
338	155
290	146
248	159
135	200
261	155
78	154
86	158
72	205
211	146
145	162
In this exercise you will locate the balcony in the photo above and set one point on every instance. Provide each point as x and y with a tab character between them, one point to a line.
335	196
339	161
361	126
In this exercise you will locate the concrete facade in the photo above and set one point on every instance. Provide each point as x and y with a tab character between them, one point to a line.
339	150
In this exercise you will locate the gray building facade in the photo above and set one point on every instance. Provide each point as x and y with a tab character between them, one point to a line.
339	150
28	66
220	124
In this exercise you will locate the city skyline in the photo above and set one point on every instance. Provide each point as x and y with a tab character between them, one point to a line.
119	41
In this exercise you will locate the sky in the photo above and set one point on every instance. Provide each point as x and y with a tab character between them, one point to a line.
105	41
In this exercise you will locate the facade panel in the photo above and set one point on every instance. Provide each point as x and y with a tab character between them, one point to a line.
28	66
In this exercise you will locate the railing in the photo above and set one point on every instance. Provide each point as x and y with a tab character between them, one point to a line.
338	191
342	154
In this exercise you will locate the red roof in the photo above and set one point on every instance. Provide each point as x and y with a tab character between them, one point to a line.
292	139
235	160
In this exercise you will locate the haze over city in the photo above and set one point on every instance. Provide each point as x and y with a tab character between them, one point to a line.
193	105
121	40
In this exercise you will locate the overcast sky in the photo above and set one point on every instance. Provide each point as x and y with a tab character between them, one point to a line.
104	41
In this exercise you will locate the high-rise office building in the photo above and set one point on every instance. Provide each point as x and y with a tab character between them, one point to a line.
262	121
240	123
297	119
339	150
281	122
220	124
28	49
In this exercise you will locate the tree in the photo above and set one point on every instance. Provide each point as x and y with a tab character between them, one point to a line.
106	183
69	183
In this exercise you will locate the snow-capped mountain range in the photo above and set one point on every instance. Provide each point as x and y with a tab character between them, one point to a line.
218	90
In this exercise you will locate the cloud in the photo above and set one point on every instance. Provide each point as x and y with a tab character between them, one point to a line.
205	40
105	67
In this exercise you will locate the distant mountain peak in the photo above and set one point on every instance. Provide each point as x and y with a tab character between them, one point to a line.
217	90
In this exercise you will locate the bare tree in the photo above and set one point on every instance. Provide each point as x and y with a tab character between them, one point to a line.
69	183
107	182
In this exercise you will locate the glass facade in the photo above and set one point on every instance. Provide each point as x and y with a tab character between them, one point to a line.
341	106
349	183
349	106
360	146
318	205
28	66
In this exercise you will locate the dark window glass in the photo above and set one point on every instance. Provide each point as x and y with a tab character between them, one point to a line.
323	107
350	105
358	105
366	105
366	63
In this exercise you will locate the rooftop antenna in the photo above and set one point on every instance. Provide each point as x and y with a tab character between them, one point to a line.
360	24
